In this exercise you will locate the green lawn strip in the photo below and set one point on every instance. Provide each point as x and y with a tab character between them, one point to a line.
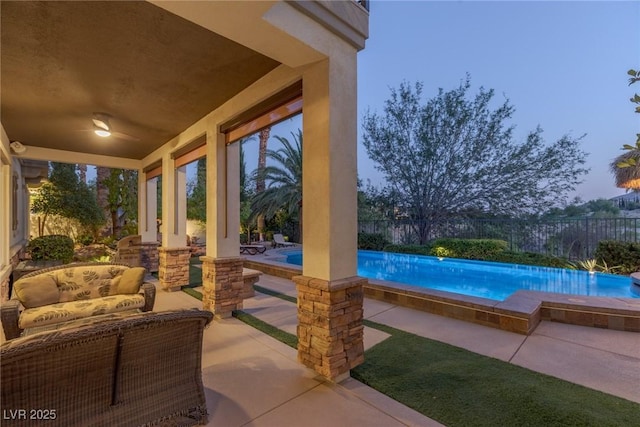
190	291
459	388
195	273
282	336
275	294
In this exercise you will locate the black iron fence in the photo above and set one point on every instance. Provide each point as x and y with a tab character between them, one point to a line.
571	238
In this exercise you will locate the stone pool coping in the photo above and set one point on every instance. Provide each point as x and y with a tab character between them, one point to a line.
520	313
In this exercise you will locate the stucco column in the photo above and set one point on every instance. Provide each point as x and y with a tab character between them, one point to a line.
222	267
147	224
147	207
173	270
330	338
5	226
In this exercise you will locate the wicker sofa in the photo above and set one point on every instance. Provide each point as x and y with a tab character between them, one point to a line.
49	297
113	370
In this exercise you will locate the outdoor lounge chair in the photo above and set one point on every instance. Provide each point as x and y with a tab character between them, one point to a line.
278	239
252	249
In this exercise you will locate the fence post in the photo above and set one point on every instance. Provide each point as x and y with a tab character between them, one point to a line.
586	240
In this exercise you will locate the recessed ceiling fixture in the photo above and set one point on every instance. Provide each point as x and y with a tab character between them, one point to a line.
101	125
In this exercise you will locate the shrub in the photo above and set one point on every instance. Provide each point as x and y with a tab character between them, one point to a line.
624	256
51	247
468	248
529	258
85	239
372	241
408	249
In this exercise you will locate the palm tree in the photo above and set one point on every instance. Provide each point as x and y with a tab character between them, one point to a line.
626	169
260	182
284	178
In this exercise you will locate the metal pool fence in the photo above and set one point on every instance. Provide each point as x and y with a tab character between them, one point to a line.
572	238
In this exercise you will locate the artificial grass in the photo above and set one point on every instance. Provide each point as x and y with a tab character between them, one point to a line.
282	336
276	294
457	387
195	273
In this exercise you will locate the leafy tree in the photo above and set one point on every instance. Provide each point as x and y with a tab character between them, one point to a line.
197	194
284	180
455	153
602	207
375	204
121	198
65	195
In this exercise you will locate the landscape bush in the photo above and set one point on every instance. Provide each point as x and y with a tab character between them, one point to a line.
624	257
479	249
51	247
408	249
529	258
372	241
467	248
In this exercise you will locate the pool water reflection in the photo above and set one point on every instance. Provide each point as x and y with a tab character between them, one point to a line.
483	279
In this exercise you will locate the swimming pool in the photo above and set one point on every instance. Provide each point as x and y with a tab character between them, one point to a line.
491	280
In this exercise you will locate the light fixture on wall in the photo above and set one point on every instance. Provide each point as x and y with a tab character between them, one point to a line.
101	125
17	147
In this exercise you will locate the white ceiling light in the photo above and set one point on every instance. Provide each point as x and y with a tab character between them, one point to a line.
101	124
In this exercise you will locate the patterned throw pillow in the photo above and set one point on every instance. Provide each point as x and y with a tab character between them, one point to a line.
131	280
37	291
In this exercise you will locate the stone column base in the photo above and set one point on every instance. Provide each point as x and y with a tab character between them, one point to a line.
149	256
173	270
330	330
222	285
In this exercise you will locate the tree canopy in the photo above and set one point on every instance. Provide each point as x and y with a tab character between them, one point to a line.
65	195
455	153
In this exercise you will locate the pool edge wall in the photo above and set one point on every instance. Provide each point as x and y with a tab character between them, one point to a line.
521	313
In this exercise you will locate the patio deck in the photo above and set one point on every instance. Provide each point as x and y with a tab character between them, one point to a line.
252	379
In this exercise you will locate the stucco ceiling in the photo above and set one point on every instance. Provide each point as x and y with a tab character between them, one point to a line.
155	73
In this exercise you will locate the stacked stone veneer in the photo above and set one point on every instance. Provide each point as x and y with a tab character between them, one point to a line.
149	257
330	330
173	270
223	285
129	255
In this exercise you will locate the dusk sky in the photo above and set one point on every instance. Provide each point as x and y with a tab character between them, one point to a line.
562	65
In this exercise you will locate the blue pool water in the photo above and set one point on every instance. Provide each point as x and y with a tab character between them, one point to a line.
483	279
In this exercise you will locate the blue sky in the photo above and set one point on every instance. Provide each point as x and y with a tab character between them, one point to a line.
561	64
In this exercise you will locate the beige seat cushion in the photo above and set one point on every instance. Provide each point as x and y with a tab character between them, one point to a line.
37	291
65	311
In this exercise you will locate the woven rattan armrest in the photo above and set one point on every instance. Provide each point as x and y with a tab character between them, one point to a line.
149	291
10	314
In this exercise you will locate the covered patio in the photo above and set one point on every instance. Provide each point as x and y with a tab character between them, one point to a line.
176	81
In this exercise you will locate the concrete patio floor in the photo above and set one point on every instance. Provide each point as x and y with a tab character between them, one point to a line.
251	379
